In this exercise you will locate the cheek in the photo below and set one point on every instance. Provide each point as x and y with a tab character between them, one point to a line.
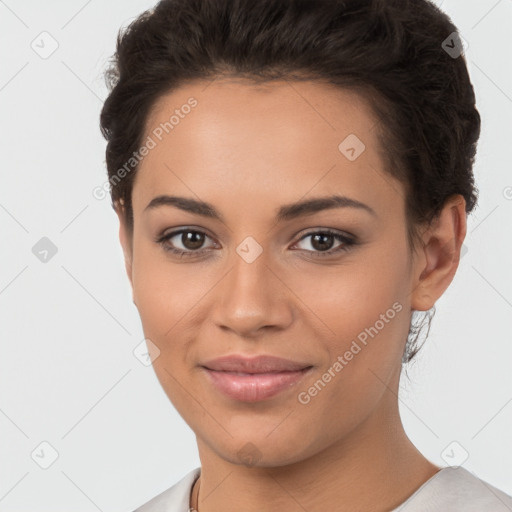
163	291
165	295
351	296
362	312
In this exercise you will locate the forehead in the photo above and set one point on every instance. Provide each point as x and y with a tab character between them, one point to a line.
284	138
290	110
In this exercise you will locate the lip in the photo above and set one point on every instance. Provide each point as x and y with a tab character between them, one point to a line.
257	364
252	379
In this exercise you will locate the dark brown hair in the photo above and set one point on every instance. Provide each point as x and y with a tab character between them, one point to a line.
401	55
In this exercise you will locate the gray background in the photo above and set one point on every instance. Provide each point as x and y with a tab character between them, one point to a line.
68	373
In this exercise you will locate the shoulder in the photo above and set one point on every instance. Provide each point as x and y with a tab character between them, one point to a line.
458	490
176	498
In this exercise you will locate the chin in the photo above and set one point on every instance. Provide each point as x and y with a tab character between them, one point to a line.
264	447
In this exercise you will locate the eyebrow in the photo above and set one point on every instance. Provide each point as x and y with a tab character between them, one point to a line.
285	213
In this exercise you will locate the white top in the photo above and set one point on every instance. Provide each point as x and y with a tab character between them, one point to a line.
452	489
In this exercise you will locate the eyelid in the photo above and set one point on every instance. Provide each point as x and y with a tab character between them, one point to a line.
169	232
330	231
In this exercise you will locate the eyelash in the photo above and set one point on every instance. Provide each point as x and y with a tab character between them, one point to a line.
347	243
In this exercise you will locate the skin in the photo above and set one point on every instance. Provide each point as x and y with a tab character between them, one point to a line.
247	150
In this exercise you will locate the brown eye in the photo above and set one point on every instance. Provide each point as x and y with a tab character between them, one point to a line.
192	239
184	242
323	241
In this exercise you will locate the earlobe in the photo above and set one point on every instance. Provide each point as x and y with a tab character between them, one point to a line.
441	251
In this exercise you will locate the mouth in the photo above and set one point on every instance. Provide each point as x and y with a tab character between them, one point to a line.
253	379
236	363
254	387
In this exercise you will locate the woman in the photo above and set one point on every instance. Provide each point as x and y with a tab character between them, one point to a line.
292	181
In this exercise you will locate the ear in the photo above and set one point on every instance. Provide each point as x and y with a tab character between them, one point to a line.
125	237
439	257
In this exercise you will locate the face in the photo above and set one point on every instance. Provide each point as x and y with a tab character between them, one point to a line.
327	286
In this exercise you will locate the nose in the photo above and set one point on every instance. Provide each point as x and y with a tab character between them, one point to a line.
252	299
